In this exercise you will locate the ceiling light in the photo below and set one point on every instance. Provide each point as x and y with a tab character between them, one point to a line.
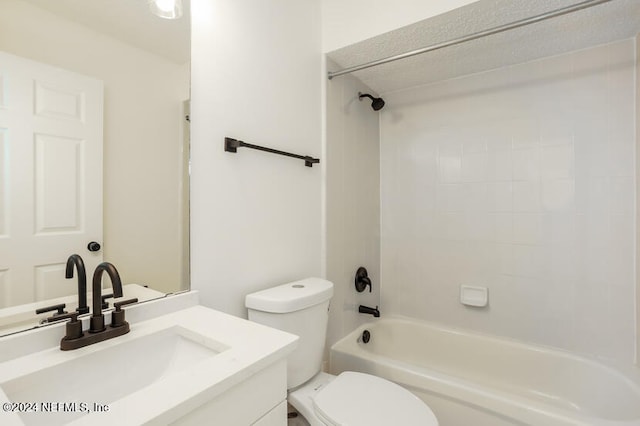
168	9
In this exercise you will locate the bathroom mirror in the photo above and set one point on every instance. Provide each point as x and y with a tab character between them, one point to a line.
140	65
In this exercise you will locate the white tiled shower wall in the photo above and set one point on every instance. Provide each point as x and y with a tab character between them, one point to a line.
520	179
352	200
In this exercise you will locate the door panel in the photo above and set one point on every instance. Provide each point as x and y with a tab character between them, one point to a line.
50	281
58	171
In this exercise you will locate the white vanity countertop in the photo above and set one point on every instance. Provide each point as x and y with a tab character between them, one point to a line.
244	349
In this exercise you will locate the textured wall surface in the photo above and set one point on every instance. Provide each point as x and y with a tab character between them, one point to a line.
600	24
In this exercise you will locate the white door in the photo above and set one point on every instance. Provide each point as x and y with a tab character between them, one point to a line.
50	178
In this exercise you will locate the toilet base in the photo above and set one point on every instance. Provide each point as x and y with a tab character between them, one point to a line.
301	398
298	420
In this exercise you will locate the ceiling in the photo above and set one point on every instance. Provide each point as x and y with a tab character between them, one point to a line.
129	21
615	20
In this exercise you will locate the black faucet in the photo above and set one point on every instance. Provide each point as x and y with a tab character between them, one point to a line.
76	260
75	338
367	310
97	318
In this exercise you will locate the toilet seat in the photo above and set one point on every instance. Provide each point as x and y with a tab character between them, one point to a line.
362	399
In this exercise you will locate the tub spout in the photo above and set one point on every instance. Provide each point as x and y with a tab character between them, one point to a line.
367	310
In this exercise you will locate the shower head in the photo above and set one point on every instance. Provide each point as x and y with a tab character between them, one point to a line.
376	103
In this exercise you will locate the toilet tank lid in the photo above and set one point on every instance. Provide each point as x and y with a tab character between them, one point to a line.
291	297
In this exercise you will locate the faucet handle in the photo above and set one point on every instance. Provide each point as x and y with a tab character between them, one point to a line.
362	280
119	305
74	327
73	333
104	298
59	308
117	316
57	316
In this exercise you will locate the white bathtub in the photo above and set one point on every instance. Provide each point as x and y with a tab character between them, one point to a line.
476	380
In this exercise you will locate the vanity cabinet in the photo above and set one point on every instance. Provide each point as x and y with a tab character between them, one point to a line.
185	365
260	400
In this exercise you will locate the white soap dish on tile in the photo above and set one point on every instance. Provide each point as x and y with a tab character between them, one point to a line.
474	296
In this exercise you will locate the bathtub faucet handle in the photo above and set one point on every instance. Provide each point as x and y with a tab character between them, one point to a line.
362	280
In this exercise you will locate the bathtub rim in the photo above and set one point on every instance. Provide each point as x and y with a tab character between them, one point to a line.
628	371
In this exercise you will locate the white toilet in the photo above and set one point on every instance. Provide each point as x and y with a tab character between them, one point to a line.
351	398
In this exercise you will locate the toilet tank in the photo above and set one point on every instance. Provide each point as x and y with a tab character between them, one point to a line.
300	308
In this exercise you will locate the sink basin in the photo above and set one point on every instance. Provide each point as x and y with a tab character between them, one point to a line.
129	366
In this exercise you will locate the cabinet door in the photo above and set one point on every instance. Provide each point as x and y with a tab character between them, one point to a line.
259	400
275	417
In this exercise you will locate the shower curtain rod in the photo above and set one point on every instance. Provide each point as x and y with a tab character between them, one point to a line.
522	22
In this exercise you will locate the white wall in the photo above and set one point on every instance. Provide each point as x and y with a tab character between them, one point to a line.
346	22
520	179
352	202
142	133
255	217
637	199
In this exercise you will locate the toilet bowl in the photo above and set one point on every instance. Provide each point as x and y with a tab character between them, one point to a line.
354	399
358	399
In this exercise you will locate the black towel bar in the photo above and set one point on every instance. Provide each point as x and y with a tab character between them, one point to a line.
232	145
